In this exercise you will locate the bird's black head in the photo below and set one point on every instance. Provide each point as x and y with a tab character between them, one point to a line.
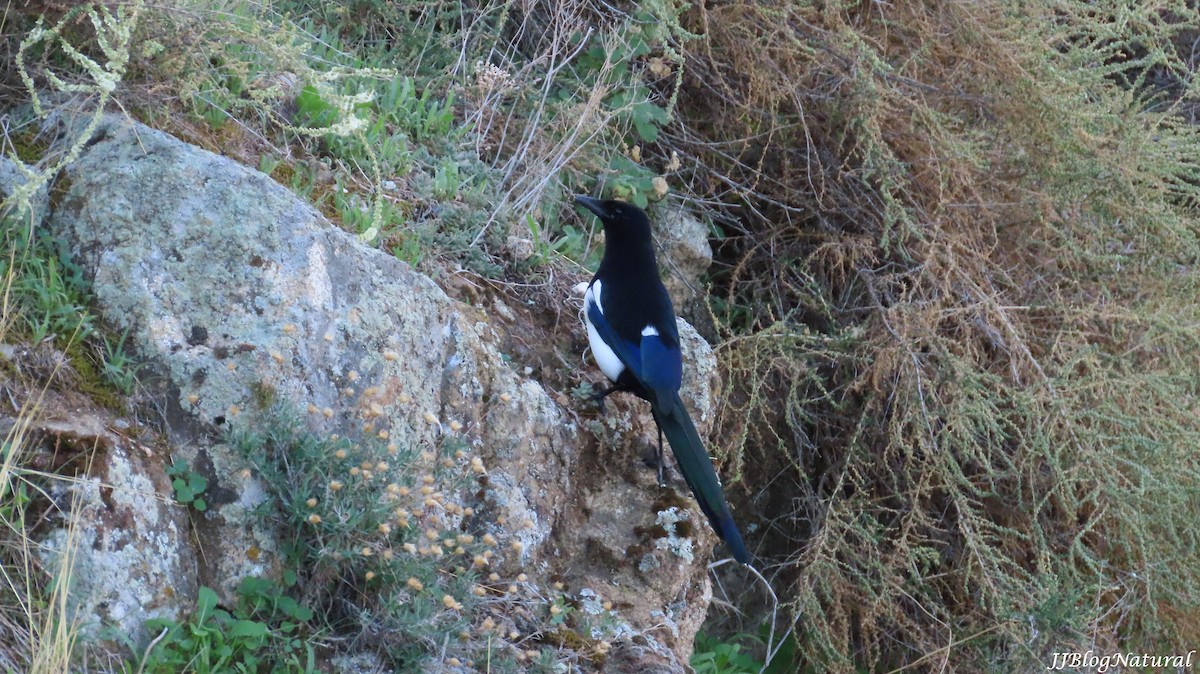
622	221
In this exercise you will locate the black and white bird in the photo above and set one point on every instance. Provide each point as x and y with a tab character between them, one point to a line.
631	329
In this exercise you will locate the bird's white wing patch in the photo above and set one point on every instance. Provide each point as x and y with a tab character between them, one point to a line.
649	331
610	365
592	296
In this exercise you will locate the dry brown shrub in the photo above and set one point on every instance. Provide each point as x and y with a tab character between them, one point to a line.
957	300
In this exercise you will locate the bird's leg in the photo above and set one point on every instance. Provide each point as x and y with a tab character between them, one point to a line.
599	397
661	481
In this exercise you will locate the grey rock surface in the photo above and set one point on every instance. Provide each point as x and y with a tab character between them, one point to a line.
129	556
683	252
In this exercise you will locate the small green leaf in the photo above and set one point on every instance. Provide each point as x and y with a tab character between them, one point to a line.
294	609
197	483
312	110
206	601
254	586
158	624
648	118
248	629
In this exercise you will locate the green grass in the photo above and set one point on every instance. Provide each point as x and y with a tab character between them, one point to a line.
470	141
48	294
48	301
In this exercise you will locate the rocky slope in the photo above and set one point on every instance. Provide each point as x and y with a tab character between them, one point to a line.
229	285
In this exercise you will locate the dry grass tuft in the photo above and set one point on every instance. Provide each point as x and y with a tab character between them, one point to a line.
40	631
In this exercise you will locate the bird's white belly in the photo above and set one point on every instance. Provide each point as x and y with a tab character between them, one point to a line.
610	365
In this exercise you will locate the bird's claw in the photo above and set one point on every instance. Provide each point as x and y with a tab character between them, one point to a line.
599	400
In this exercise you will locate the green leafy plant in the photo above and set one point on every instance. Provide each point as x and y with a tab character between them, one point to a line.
267	631
733	654
631	181
571	243
312	110
188	485
446	180
16	493
560	611
425	118
48	289
720	657
117	366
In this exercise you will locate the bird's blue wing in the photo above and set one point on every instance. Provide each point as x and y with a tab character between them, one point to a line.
657	365
661	368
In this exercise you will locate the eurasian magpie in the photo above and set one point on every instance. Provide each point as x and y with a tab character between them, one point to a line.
631	329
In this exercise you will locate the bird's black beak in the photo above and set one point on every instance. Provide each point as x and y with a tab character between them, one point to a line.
594	205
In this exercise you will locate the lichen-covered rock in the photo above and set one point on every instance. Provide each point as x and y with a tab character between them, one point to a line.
11	177
126	544
684	253
639	656
233	288
628	544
